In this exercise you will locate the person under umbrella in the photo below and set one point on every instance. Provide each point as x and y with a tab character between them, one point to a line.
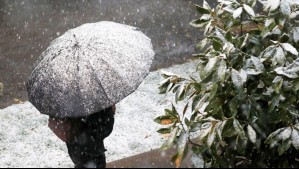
80	77
84	137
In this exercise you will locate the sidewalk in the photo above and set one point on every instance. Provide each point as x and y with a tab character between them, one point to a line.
26	141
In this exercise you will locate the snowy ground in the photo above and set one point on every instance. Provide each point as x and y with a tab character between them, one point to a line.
26	141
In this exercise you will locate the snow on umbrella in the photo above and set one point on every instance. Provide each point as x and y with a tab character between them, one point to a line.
89	68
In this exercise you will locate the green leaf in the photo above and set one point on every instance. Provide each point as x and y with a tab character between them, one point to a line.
175	89
182	148
219	128
220	34
208	28
237	12
285	72
211	65
293	110
296	86
170	113
195	126
201	9
164	130
296	34
243	75
277	84
249	10
211	137
206	5
233	106
279	57
237	80
202	44
295	139
285	134
187	122
185	108
163	86
164	120
268	52
239	129
267	30
277	79
195	101
284	38
199	23
269	21
228	36
180	93
271	5
229	9
281	22
274	102
245	41
292	68
284	147
200	105
170	87
173	109
169	142
213	92
285	8
251	134
258	64
217	45
206	17
221	70
215	107
288	47
228	128
273	135
251	2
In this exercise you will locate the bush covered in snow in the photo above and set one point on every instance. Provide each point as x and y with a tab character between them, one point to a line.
245	100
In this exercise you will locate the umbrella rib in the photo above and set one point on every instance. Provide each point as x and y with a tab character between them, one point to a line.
98	80
115	71
77	76
44	60
107	62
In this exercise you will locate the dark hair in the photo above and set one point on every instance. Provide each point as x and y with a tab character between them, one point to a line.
101	119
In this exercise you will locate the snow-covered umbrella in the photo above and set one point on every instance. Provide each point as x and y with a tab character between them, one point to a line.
89	68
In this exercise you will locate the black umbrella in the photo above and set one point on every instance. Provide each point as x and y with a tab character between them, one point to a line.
89	68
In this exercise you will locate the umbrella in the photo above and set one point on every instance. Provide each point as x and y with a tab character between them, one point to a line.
89	68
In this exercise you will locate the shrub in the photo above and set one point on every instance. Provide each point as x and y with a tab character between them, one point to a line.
242	110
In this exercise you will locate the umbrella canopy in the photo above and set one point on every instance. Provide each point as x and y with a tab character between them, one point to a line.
89	68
